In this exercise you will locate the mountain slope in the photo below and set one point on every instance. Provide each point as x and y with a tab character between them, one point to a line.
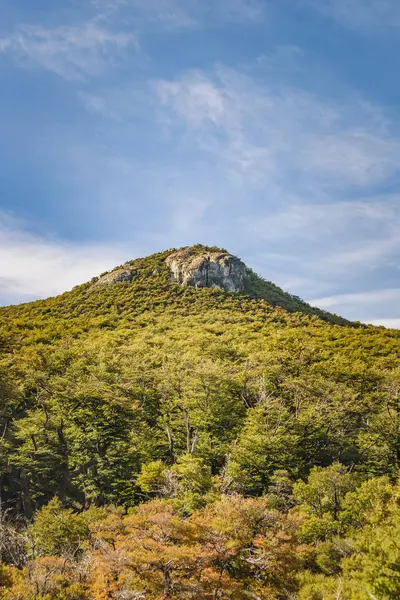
147	284
144	364
240	434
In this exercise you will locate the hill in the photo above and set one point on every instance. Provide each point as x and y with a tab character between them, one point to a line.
150	284
186	385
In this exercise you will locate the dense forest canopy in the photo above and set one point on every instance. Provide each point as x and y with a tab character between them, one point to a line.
160	441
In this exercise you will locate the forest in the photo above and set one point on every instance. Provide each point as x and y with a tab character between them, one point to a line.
160	442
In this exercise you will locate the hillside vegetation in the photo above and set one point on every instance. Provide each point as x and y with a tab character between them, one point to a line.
160	441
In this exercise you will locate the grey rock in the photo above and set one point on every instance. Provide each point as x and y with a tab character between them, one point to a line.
122	274
219	270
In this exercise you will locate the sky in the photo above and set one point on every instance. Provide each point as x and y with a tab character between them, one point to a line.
267	127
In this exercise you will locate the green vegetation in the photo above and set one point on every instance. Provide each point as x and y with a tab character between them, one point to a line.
161	442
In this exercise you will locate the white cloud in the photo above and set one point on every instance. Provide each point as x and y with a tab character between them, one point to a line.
313	220
196	99
389	323
319	249
360	157
372	297
33	267
358	233
271	133
360	14
88	48
96	105
377	307
70	52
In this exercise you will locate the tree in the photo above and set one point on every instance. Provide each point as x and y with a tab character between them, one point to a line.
187	482
376	558
267	443
325	490
57	531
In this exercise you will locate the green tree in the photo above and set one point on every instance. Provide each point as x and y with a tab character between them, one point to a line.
57	531
325	490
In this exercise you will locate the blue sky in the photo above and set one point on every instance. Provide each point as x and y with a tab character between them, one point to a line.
269	127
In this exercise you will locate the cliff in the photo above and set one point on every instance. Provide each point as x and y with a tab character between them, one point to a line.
219	270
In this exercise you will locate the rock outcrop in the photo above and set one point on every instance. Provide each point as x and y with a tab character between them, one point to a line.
122	274
219	270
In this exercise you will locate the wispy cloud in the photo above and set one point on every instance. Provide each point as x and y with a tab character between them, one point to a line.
372	306
355	234
87	48
183	14
368	15
267	130
340	245
32	266
72	52
372	297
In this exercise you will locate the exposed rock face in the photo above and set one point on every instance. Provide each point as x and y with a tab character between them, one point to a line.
122	274
207	270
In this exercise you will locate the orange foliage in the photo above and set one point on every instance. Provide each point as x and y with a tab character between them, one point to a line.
236	548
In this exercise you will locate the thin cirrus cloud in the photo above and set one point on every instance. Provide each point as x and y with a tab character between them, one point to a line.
88	48
373	297
345	242
364	305
358	232
270	129
369	15
72	52
185	14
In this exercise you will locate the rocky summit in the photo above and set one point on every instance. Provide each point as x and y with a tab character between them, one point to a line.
196	266
219	270
201	267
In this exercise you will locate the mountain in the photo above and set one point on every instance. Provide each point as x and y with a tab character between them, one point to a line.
207	269
252	437
210	267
